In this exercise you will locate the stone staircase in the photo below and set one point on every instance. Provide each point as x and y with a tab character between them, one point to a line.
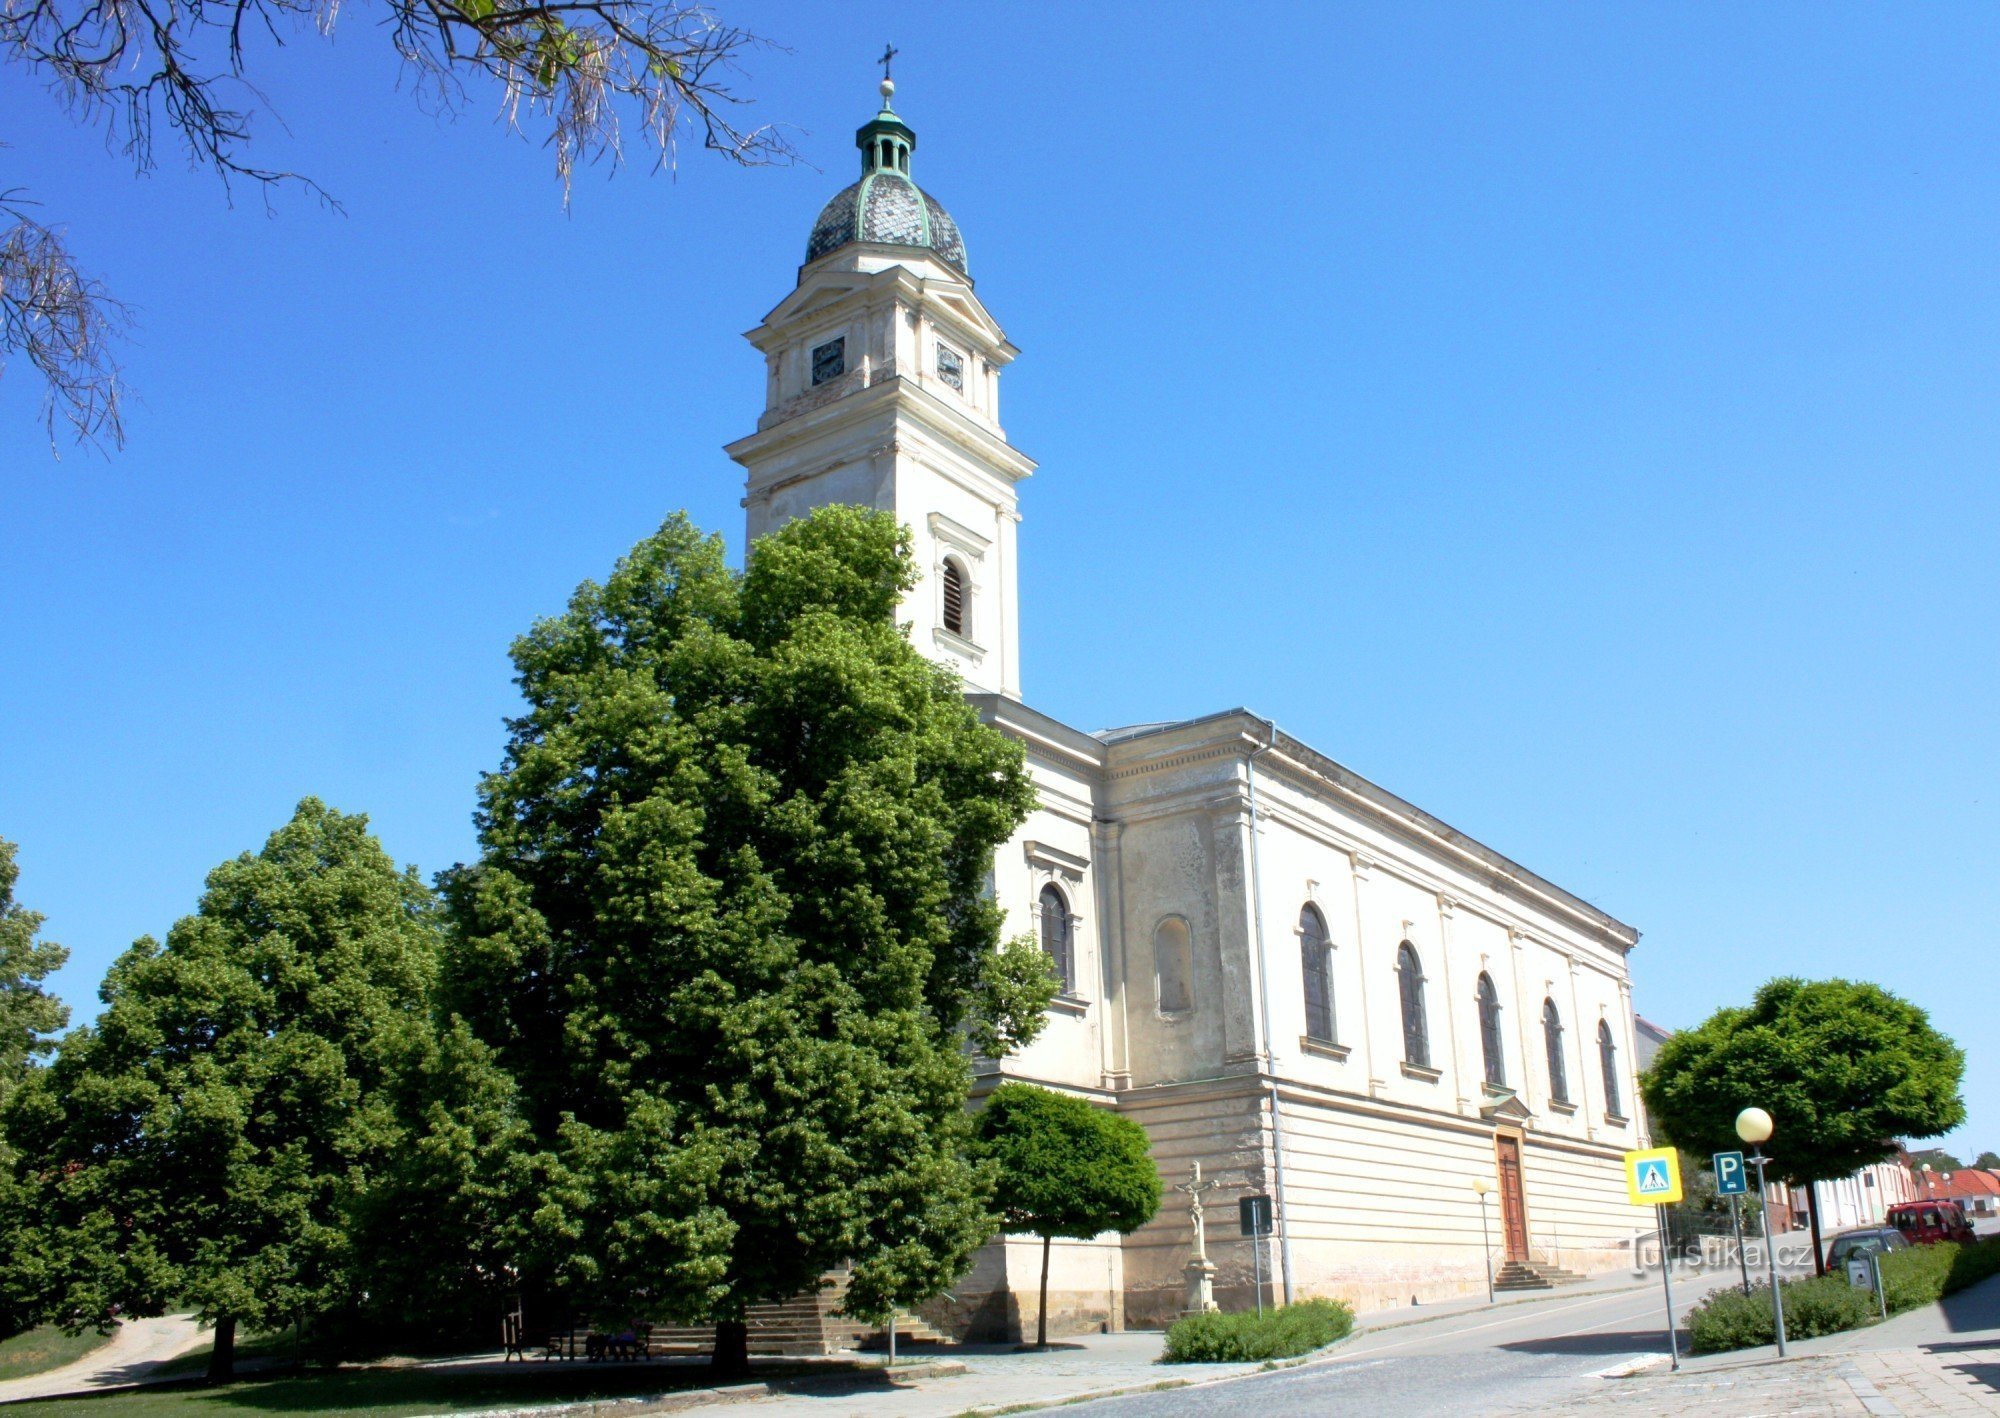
804	1324
1531	1275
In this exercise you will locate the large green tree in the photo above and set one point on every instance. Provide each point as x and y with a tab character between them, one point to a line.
29	1015
205	1142
1064	1167
1844	1068
728	933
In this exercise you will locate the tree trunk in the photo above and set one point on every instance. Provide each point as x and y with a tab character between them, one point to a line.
1042	1315
222	1358
731	1358
1812	1210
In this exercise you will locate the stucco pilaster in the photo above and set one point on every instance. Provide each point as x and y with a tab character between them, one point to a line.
1360	875
1108	834
1448	955
1242	1039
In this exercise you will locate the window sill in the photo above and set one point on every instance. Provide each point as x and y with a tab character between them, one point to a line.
1618	1120
959	645
1496	1090
1563	1106
1323	1048
1069	1004
1422	1072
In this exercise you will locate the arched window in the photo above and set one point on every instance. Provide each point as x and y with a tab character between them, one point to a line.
1552	1037
1313	951
1607	1057
1489	1031
1057	938
1410	982
1173	965
955	599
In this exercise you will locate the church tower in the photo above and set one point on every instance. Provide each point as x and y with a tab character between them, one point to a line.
882	388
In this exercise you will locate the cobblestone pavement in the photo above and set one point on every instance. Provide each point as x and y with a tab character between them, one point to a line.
1889	1383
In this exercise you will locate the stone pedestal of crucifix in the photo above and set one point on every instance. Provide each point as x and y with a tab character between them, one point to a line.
1200	1297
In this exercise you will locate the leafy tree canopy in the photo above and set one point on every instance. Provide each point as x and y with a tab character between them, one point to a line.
29	1014
1987	1161
728	930
203	1142
1843	1068
1064	1167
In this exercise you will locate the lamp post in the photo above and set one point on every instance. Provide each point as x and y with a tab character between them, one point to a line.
1753	1125
1485	1189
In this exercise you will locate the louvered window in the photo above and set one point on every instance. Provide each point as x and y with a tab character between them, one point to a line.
1410	984
1314	949
954	599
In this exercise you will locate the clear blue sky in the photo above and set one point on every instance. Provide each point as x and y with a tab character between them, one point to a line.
1582	420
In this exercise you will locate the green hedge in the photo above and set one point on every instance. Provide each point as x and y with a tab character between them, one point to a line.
1247	1337
1921	1275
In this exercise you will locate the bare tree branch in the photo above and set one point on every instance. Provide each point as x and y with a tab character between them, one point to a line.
62	322
578	70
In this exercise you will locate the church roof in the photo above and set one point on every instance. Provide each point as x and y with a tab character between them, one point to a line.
885	207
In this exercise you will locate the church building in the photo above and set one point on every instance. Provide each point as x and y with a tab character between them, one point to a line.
1419	1050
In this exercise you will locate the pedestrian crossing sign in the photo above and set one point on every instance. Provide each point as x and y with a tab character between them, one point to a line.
1653	1177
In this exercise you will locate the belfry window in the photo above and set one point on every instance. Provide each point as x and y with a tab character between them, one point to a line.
1607	1058
1410	985
1059	938
1314	950
955	600
1552	1040
1489	1031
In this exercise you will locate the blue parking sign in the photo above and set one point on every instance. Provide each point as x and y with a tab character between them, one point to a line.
1732	1178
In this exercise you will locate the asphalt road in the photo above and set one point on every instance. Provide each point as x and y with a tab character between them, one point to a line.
1483	1362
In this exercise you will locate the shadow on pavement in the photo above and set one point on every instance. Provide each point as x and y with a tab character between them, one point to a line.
1959	1346
1987	1375
1645	1341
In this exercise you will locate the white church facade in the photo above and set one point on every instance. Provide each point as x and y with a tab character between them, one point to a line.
1318	991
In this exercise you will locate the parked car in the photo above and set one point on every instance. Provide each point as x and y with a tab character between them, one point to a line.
1924	1223
1850	1245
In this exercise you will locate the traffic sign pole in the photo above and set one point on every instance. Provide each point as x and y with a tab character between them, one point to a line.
1742	1261
1667	1279
1257	1265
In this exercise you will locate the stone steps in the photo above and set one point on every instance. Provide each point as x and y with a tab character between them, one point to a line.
1517	1275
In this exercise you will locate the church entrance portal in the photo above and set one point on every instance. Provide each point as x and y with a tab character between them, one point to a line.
1513	1202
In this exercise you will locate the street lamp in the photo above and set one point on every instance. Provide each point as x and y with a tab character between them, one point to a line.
1485	1189
1753	1125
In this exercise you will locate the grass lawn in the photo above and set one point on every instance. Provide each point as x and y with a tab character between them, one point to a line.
38	1350
391	1392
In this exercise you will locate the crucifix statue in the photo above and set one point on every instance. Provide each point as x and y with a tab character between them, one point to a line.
889	52
1200	1296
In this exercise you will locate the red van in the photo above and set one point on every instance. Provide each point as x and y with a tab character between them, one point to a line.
1924	1222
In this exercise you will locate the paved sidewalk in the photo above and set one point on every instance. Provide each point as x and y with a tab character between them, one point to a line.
1943	1359
132	1354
